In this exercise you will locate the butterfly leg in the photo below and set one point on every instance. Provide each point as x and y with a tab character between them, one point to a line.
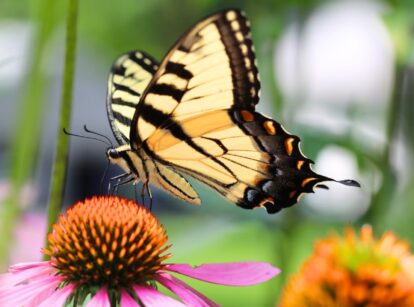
119	183
135	193
119	180
143	194
149	195
145	188
101	184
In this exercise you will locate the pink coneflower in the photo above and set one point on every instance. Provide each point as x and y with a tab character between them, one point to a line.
112	252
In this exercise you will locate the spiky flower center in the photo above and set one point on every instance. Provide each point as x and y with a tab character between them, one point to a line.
107	241
358	270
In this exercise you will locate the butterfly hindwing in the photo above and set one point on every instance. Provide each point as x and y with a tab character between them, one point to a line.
245	156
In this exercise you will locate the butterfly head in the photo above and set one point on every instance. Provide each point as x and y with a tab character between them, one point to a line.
112	154
120	156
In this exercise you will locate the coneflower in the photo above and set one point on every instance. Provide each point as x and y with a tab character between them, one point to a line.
109	251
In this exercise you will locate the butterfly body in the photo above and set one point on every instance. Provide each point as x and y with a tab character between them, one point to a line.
140	167
194	114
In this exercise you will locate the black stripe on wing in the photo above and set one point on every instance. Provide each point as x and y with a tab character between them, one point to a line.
129	76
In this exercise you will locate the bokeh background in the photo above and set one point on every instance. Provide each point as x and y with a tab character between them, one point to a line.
337	73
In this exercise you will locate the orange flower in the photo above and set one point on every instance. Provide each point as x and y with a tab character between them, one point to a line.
354	271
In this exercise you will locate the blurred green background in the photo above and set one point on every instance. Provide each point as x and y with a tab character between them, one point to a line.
337	73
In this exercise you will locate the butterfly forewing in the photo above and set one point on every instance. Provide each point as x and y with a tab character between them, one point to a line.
212	67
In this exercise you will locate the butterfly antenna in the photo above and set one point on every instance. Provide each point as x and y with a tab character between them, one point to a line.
86	137
96	133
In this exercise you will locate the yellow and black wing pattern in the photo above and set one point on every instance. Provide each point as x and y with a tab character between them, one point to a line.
129	77
197	117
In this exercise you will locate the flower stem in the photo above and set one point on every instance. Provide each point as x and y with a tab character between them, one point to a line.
60	163
382	199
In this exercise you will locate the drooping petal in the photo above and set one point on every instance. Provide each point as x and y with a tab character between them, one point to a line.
230	274
58	297
100	299
152	298
30	294
28	265
24	272
127	300
187	294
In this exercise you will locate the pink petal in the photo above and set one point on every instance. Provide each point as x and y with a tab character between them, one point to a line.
30	294
58	297
127	300
24	272
187	294
29	265
100	299
152	298
230	274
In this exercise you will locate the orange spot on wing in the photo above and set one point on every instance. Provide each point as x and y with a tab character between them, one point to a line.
307	180
289	145
270	127
266	200
292	194
299	164
247	116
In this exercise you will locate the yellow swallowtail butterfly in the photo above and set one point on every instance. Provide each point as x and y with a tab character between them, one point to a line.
194	114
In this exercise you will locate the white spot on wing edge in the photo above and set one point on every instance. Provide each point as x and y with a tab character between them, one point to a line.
231	15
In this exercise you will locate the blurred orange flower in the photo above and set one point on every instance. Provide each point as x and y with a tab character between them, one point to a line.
357	270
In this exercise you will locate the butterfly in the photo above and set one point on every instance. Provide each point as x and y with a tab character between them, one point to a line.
194	114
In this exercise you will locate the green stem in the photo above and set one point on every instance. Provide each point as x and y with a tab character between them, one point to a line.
60	163
381	201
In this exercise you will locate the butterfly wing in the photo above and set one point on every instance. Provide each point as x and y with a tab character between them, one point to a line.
198	116
130	75
211	67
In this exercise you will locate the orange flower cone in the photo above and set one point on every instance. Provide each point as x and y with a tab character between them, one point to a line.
357	270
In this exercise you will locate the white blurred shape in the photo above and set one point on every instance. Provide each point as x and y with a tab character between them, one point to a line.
15	39
287	63
341	202
348	54
340	58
